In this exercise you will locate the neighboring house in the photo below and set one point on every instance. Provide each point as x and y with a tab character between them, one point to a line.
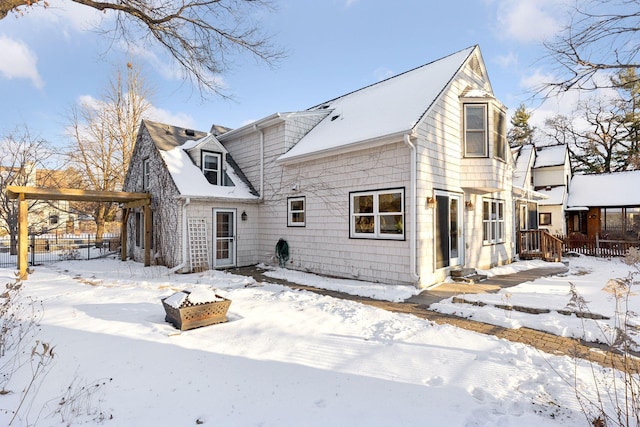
397	182
551	177
605	205
44	217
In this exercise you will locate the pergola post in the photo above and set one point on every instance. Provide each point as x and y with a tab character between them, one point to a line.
23	237
147	235
123	234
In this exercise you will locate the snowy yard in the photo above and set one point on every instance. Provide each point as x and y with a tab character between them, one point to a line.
291	358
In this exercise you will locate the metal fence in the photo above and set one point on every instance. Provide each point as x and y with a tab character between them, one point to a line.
50	248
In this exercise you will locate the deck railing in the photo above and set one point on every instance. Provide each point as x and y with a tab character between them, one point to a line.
539	244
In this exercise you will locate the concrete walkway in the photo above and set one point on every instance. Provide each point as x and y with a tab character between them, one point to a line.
418	305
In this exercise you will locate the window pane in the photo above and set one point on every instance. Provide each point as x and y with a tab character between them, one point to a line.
475	117
475	144
212	177
390	202
297	217
365	224
391	224
211	162
363	204
297	205
486	212
499	144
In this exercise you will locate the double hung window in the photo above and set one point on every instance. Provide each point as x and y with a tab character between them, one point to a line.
212	167
492	221
296	211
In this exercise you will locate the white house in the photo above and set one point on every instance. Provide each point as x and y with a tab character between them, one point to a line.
551	177
396	182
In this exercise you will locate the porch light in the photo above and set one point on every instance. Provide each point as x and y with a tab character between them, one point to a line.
244	215
468	204
431	202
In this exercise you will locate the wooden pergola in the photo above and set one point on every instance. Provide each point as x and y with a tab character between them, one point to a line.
127	200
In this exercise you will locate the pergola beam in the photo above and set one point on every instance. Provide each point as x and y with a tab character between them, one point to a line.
128	201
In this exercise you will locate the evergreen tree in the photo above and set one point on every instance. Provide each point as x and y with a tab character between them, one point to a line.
520	133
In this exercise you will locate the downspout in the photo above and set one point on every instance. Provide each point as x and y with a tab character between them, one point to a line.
261	196
185	241
413	240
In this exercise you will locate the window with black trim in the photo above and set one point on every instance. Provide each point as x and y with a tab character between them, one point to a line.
377	214
146	173
492	221
212	167
544	218
296	207
475	130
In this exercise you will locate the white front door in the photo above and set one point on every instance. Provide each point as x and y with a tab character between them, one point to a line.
224	237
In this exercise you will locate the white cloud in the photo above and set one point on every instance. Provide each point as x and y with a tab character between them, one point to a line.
175	119
508	60
529	20
19	62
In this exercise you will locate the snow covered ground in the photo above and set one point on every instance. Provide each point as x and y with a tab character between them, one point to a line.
288	358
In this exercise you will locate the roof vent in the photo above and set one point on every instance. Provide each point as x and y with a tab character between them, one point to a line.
189	132
335	117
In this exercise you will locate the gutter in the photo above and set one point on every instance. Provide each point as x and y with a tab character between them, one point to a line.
185	231
413	240
259	129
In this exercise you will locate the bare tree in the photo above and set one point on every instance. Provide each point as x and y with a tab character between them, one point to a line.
103	134
601	36
200	35
22	157
597	137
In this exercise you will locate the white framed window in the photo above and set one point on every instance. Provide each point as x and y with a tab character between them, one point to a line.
499	135
475	130
296	207
146	173
212	167
492	221
377	214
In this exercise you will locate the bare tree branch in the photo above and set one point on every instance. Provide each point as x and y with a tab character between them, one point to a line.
200	35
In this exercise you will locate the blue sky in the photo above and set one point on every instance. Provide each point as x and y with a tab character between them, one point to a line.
49	60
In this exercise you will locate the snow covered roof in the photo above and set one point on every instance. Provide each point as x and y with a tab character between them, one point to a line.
172	141
555	195
551	155
385	109
524	157
611	189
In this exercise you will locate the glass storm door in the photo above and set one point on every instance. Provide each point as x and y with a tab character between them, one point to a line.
449	242
224	238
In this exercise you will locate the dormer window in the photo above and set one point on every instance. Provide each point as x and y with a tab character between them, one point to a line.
212	167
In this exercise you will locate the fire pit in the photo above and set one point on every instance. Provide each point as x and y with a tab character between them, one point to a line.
193	309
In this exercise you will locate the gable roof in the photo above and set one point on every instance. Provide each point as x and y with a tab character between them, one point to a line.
606	189
524	158
388	108
551	155
172	141
167	137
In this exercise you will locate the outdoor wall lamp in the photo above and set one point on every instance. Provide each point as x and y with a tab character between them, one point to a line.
468	204
431	202
244	215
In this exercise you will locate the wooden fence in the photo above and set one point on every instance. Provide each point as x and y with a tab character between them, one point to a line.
596	246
